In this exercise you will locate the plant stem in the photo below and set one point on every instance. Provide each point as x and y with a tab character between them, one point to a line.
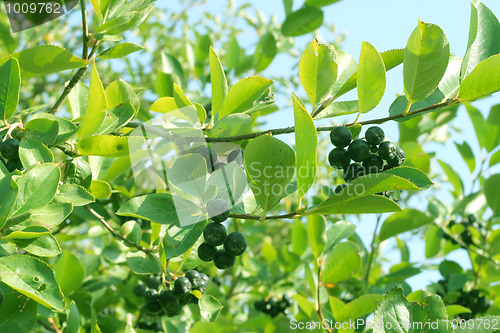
272	217
85	30
373	246
117	235
321	261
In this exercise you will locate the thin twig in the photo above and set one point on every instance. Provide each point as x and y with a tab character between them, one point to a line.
321	261
53	323
272	217
85	30
117	235
373	246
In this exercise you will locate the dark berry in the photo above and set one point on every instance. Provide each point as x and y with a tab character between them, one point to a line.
207	252
174	313
340	188
204	283
224	260
153	308
14	164
215	234
373	164
10	149
340	136
398	159
339	158
153	282
235	243
152	295
185	299
195	278
374	135
359	150
353	171
260	305
387	150
219	165
3	161
218	210
182	286
169	301
140	290
466	237
374	149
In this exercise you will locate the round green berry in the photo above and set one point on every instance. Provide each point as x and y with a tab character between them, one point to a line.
182	286
204	283
140	290
195	278
398	159
340	136
339	158
152	295
207	252
374	135
224	260
235	243
153	282
340	188
353	171
218	210
387	150
10	149
359	150
373	164
215	234
169	301
153	308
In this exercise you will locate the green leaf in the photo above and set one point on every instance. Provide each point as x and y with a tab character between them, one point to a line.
210	307
359	307
492	137
316	232
157	207
454	178
270	165
336	109
32	151
456	309
401	103
105	145
485	324
417	177
394	309
50	215
450	83
117	118
484	36
100	189
318	71
479	124
44	59
425	60
468	156
299	237
341	263
400	222
33	278
44	130
483	80
201	54
120	92
77	100
73	320
94	114
66	128
491	186
37	187
359	205
306	145
302	21
231	125
338	232
495	158
74	194
190	235
265	52
35	241
9	190
218	80
124	22
10	84
142	263
346	68
17	314
188	174
232	54
120	50
432	241
371	78
69	272
320	3
244	94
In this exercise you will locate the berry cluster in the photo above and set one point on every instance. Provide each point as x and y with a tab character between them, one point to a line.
273	307
9	149
215	234
466	235
371	155
169	302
